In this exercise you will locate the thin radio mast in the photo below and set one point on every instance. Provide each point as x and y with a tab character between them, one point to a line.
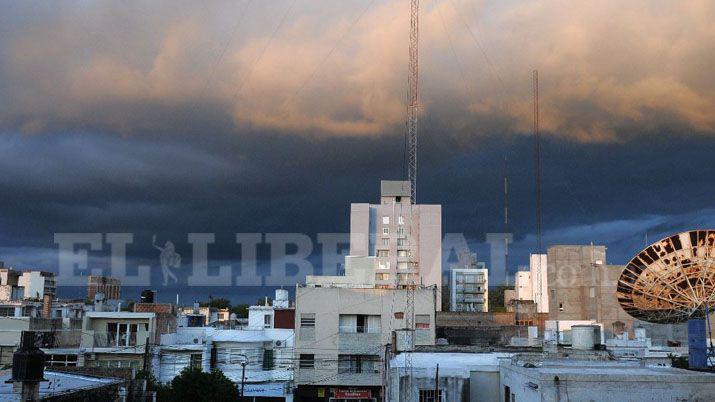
537	177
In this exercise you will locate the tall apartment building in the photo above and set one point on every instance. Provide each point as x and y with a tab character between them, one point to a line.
405	239
583	287
110	287
342	334
19	285
469	285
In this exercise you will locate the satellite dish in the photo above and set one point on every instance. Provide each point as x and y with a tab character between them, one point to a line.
672	280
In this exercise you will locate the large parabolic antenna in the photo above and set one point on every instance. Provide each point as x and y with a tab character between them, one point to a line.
672	280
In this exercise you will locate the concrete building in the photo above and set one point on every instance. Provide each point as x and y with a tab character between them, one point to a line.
469	285
582	286
404	239
528	285
279	314
110	287
578	380
342	333
17	285
117	339
267	353
470	377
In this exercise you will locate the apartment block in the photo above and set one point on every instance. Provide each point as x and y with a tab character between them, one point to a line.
405	239
469	285
342	334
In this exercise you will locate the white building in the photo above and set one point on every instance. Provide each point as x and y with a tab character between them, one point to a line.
266	353
469	285
17	285
529	286
405	239
462	377
264	317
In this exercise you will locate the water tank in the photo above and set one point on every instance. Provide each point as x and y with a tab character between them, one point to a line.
640	333
281	299
147	296
582	337
28	362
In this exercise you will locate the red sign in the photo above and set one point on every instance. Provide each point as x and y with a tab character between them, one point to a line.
353	394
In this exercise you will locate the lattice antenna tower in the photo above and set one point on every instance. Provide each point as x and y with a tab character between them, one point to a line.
413	98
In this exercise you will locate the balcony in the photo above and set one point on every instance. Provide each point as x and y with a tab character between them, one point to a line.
130	342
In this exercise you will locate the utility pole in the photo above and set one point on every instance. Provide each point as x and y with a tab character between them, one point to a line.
436	386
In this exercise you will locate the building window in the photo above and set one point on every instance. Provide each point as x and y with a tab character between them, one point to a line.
383	253
382	277
359	323
428	395
400	231
592	292
121	334
307	320
267	359
7	311
561	307
385	231
400	220
196	360
386	241
383	265
399	315
422	321
385	220
61	360
306	361
401	242
267	321
356	364
403	253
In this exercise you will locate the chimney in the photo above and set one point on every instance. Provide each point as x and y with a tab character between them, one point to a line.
46	305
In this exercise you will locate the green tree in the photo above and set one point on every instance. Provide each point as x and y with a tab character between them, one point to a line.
194	385
241	310
220	302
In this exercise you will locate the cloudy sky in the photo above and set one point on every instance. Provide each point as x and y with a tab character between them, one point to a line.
272	116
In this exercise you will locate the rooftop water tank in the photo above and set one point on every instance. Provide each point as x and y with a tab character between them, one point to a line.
582	337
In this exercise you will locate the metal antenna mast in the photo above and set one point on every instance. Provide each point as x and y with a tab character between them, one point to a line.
413	98
537	176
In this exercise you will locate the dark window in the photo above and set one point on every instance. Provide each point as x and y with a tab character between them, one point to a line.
307	361
428	395
307	319
268	359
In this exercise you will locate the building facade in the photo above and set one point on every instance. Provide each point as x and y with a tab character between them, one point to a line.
342	335
582	286
404	239
469	284
110	287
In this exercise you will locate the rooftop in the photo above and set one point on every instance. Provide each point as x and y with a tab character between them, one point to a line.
57	384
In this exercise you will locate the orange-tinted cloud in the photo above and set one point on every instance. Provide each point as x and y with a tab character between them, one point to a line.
328	69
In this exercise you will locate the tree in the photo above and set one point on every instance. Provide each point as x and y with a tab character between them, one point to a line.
220	302
194	385
241	310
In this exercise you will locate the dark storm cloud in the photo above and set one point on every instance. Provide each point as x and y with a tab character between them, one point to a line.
172	118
